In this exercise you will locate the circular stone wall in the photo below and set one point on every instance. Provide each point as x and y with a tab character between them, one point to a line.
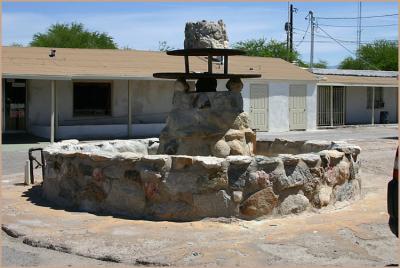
125	177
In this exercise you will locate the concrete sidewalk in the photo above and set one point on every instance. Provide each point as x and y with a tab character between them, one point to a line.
340	133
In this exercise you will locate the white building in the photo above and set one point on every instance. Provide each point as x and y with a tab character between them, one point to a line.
101	93
345	97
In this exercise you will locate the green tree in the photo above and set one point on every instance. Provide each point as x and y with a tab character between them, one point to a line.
380	55
263	48
320	64
72	35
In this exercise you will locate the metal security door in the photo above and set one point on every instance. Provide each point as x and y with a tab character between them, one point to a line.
258	106
297	107
331	105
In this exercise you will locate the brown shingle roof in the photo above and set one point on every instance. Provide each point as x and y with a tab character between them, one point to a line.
75	63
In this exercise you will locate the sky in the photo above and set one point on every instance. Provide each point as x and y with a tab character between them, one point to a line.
141	25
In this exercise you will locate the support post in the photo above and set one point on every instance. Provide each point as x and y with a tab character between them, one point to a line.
186	64
225	64
331	105
129	109
27	180
373	107
210	64
53	120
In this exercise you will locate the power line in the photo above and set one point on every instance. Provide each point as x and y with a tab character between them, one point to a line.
354	18
304	36
322	36
341	40
354	26
351	52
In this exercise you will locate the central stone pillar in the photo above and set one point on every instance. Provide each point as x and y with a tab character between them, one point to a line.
207	123
206	34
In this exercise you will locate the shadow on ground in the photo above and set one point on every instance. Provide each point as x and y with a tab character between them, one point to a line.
390	138
21	138
34	195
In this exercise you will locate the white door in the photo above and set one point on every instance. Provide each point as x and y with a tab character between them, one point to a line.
258	106
297	107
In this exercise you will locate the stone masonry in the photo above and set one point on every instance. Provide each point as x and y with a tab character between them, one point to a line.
127	178
205	34
207	123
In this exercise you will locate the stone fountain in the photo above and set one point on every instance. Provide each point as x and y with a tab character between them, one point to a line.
205	121
206	162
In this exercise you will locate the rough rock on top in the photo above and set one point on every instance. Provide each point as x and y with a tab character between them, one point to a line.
207	124
205	34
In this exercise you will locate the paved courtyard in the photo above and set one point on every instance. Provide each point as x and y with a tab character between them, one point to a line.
36	233
344	133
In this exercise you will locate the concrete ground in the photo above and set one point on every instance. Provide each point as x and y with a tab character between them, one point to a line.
343	133
37	233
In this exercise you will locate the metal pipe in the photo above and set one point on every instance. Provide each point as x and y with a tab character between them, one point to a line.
186	64
27	172
210	64
225	64
53	108
39	164
331	105
129	109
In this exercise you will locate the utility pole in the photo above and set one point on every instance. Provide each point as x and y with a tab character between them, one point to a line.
287	29
358	29
291	30
311	15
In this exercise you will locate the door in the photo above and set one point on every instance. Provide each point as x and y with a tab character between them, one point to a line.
15	105
297	107
258	106
331	106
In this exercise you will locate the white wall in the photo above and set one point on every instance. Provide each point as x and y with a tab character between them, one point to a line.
311	106
278	103
152	100
151	103
246	96
39	102
356	105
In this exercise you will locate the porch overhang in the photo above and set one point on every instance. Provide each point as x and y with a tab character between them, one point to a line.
74	77
357	85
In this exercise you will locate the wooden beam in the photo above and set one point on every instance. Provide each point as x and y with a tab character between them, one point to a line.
129	109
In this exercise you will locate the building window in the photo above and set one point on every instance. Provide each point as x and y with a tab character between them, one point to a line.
379	103
92	99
